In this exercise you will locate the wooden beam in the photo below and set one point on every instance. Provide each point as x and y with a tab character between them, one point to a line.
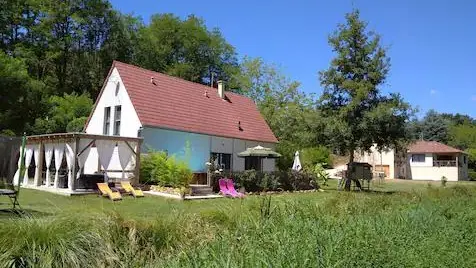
72	136
120	170
87	146
130	147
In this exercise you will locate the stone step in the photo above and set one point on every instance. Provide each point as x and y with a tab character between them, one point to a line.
200	190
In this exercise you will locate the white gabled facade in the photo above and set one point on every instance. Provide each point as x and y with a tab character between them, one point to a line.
114	94
130	122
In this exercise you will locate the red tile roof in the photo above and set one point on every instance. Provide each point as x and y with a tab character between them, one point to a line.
178	104
431	147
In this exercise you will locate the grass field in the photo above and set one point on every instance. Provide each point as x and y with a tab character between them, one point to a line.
399	224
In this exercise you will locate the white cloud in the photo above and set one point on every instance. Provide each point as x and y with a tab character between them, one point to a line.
433	92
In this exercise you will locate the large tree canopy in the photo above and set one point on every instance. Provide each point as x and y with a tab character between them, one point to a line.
289	112
358	114
20	95
186	49
51	48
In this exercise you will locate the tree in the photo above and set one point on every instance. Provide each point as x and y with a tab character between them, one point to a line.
358	114
462	136
21	97
59	47
290	113
185	48
434	127
65	114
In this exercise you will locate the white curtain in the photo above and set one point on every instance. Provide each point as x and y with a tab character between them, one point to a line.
16	177
28	155
59	151
84	155
36	155
105	150
125	154
49	148
69	163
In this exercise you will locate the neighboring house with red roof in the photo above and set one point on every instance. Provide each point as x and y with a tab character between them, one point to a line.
189	120
423	160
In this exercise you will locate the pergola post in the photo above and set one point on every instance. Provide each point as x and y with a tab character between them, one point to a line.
71	179
39	166
137	167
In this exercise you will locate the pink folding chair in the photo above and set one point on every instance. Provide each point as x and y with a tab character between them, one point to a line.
231	188
223	189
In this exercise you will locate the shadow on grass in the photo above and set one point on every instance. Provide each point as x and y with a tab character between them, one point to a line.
381	192
371	191
9	213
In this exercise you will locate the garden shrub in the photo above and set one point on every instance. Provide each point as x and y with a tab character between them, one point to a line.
258	181
315	155
157	168
472	175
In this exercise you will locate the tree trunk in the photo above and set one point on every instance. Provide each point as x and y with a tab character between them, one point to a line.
348	180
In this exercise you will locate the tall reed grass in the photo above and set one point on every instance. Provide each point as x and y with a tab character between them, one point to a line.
430	228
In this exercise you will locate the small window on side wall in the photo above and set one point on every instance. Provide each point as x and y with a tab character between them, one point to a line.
418	158
253	162
117	121
107	120
221	160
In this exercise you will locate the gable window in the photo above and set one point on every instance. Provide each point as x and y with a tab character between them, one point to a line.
253	162
418	158
222	161
118	86
107	120
117	120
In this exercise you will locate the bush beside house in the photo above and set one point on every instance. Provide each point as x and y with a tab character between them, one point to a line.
256	181
159	169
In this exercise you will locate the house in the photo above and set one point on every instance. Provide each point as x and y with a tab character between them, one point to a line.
193	122
422	160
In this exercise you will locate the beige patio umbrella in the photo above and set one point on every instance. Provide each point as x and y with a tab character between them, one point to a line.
259	151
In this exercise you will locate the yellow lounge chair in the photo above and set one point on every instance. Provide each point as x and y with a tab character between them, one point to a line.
130	190
106	191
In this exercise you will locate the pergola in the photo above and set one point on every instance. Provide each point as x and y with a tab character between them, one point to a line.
76	149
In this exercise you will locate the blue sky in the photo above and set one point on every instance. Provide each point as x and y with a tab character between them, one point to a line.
432	44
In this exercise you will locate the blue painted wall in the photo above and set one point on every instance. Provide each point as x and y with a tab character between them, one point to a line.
175	143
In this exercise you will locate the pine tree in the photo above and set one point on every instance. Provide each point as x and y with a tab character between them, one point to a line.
358	114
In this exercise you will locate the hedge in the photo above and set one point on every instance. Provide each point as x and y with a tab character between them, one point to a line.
258	181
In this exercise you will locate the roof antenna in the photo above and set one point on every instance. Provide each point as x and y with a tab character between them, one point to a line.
211	79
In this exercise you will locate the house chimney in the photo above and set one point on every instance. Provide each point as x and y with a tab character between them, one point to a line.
221	89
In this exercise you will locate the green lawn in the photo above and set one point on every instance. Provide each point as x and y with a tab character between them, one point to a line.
398	224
